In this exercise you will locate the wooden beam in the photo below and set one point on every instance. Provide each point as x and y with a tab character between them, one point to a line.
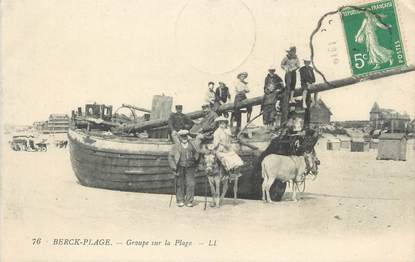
138	127
137	108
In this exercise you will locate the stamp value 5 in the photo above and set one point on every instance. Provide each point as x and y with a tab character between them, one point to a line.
373	37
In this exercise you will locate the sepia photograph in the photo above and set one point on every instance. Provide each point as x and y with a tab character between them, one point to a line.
207	130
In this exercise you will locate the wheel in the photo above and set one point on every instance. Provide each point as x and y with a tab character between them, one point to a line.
277	190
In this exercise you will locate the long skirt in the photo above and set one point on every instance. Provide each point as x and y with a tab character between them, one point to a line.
230	160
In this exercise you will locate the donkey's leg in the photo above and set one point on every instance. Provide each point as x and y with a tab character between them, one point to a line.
224	189
212	189
267	188
217	192
235	190
294	195
264	185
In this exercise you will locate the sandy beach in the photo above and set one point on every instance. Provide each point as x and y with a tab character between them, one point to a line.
358	209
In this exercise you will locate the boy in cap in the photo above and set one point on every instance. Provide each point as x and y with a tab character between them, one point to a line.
178	121
183	158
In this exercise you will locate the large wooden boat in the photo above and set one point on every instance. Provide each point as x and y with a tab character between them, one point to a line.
140	165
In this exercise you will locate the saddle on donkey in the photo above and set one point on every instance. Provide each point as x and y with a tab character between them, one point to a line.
289	143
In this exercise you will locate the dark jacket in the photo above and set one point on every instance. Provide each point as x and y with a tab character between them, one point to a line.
224	96
273	80
270	98
179	121
307	76
208	124
175	152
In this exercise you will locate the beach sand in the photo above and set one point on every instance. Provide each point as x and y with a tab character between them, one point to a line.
358	209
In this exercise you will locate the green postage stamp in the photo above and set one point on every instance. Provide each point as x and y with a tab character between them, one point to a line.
373	38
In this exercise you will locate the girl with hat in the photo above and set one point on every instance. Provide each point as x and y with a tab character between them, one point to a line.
222	139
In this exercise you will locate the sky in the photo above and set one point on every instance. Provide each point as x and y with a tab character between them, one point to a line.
58	55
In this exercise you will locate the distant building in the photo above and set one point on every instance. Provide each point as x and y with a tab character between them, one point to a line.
320	113
57	123
362	124
389	119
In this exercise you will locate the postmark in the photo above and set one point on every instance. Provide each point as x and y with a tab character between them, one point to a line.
373	37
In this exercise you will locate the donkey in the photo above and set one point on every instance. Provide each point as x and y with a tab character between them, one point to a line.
286	169
216	175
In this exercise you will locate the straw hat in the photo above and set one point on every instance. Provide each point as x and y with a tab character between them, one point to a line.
242	74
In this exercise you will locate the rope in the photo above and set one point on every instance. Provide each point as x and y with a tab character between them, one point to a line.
247	124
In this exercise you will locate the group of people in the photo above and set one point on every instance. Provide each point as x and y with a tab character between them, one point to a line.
185	153
278	93
277	96
188	136
219	96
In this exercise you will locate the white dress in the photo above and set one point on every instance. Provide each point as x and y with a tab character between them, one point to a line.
222	143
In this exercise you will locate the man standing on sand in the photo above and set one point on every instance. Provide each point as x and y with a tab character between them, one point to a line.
178	121
183	158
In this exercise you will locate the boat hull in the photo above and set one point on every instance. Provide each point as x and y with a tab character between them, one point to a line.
141	166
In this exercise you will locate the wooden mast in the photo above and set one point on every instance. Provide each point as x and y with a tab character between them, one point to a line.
137	127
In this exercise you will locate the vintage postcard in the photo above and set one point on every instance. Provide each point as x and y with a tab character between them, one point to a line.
207	130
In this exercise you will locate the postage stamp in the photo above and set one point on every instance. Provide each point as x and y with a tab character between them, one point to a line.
373	37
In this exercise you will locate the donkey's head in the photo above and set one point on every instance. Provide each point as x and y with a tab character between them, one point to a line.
311	164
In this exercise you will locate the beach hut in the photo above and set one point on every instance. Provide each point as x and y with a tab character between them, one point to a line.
359	145
374	143
392	147
345	142
333	144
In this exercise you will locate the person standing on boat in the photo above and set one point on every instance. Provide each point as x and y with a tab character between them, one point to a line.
210	96
241	89
273	87
221	96
307	79
290	64
183	158
178	121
